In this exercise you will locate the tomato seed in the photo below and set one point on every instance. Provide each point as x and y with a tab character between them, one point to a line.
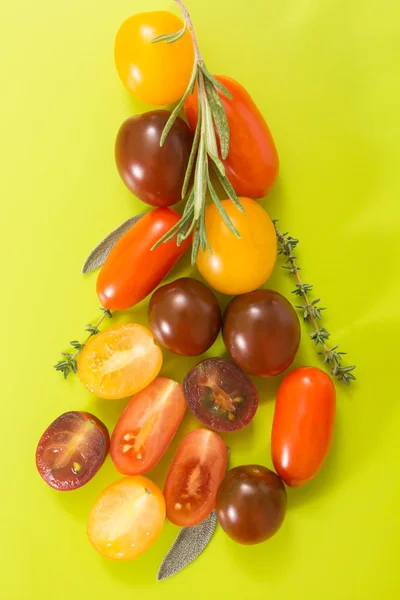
128	437
188	506
126	448
77	467
178	506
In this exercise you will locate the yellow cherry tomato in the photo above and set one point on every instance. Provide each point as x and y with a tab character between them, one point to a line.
155	73
238	266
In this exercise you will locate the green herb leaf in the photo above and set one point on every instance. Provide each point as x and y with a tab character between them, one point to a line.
215	82
221	209
226	184
200	180
219	115
179	106
170	38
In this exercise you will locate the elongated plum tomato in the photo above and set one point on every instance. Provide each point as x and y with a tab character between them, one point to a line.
154	173
132	269
261	331
120	361
72	450
236	266
126	518
251	504
146	427
157	73
252	164
303	424
220	394
194	477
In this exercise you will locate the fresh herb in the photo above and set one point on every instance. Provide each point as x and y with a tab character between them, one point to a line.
211	113
312	311
69	364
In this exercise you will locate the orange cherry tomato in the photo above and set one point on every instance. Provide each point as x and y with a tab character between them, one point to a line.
155	73
252	164
194	477
146	427
238	266
119	361
126	518
132	269
303	424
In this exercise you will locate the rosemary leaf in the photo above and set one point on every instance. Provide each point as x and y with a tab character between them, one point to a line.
211	140
215	81
195	246
226	184
200	181
179	106
219	115
170	38
221	209
192	158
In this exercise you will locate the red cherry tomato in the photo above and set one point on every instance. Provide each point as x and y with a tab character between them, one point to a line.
193	480
132	269
147	426
303	424
252	164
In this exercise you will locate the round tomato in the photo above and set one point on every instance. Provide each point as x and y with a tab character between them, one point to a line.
303	424
155	73
252	164
238	266
132	269
194	477
153	173
72	450
119	361
146	427
126	518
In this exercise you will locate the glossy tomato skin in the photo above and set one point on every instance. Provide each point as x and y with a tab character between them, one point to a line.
192	482
72	450
303	424
252	164
261	331
132	269
237	266
251	504
153	173
146	427
185	317
158	73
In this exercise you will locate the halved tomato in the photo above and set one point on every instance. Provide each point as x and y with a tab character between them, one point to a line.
146	427
194	477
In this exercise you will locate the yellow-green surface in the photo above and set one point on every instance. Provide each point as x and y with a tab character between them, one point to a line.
326	76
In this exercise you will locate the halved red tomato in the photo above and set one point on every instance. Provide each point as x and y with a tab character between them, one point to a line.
146	427
194	477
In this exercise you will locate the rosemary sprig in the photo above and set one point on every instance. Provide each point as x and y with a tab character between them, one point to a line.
211	119
312	311
69	364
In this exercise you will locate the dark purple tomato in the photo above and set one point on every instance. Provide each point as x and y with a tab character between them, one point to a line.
185	317
154	174
72	450
251	504
261	331
220	394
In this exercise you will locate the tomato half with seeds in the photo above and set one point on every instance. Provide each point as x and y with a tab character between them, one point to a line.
72	450
194	477
126	518
220	394
146	427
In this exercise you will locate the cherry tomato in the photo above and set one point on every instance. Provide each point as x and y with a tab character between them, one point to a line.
153	173
252	164
185	317
251	504
119	361
193	479
261	332
155	73
146	427
238	266
72	450
221	395
132	269
126	518
303	424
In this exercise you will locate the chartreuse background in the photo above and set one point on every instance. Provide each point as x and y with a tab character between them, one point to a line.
326	76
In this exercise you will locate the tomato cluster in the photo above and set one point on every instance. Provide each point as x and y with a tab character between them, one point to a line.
260	329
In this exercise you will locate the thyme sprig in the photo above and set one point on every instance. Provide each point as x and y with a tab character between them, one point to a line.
205	152
69	364
312	311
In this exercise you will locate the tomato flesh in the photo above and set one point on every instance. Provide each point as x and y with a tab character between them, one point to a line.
72	450
126	518
119	361
192	483
147	426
